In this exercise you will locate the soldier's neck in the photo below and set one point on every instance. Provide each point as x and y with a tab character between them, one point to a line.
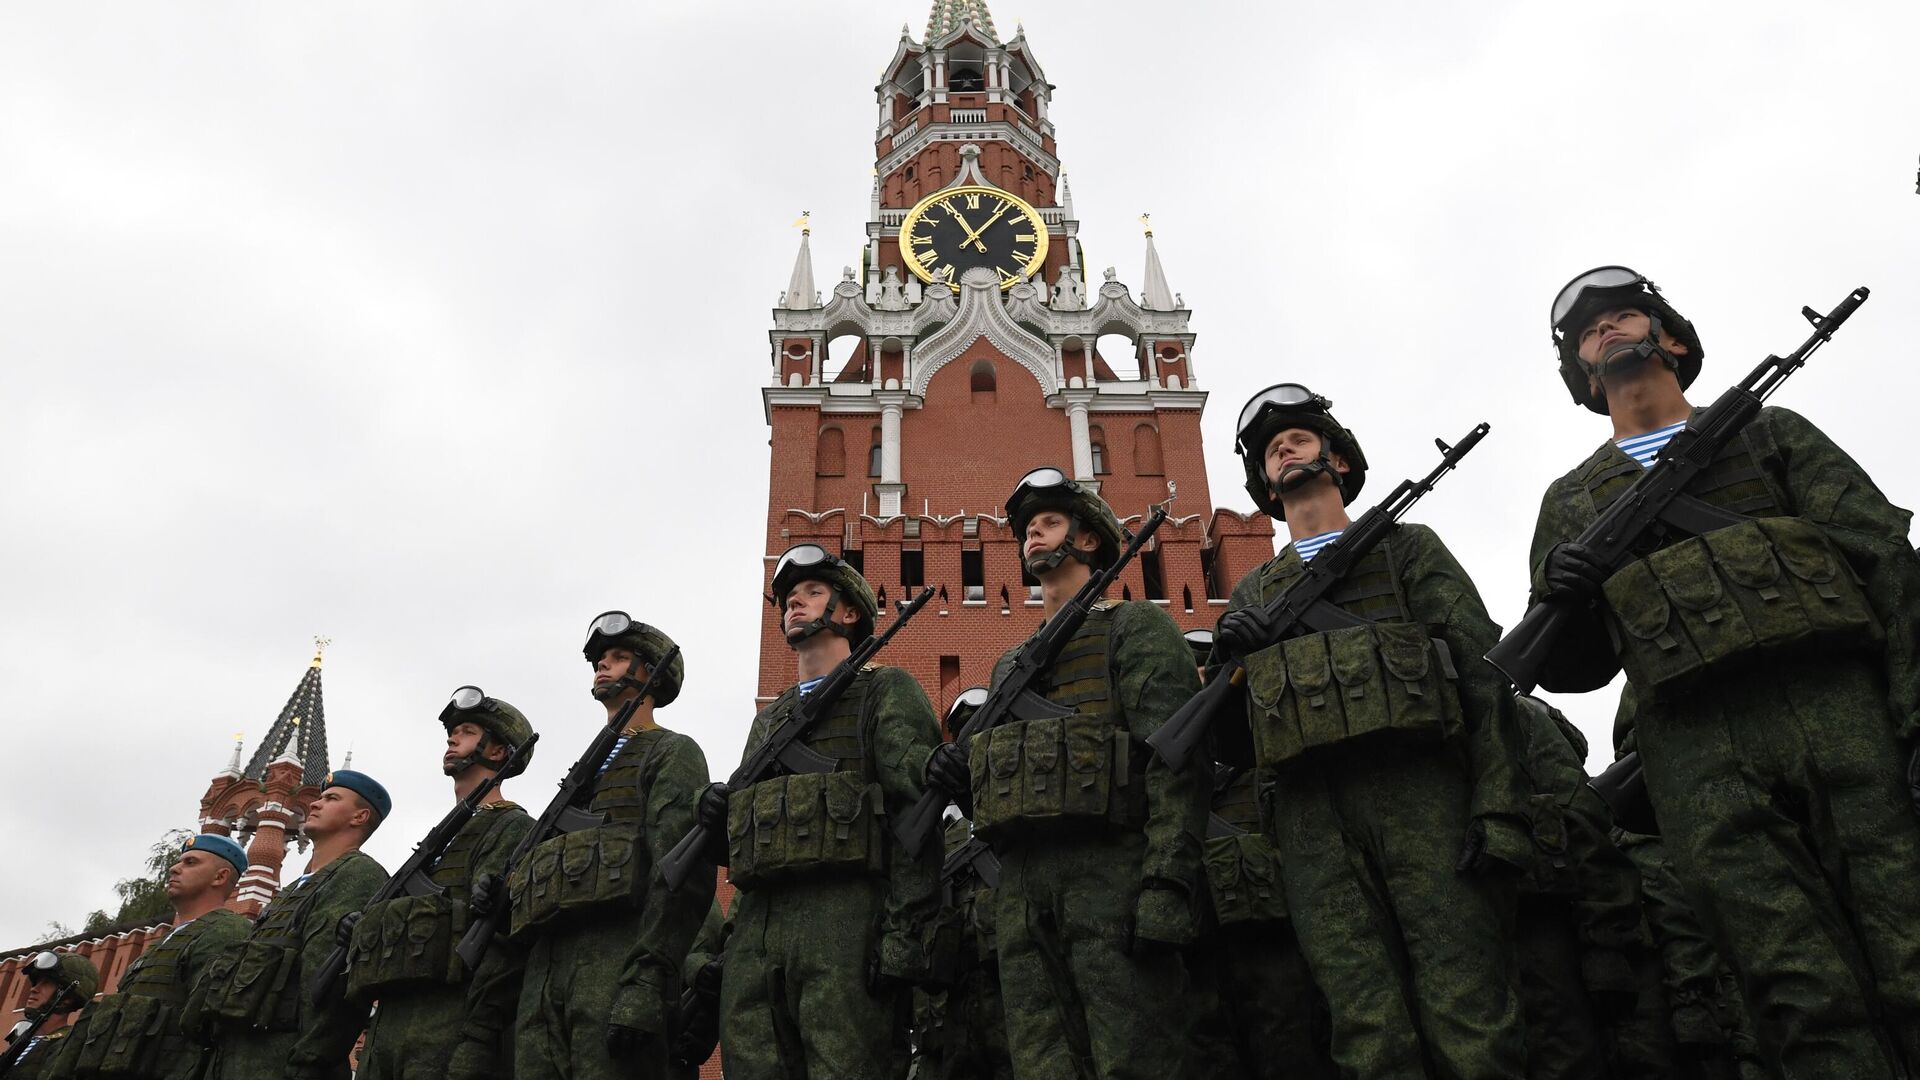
328	848
641	720
819	654
1061	584
1314	510
470	780
192	907
1645	400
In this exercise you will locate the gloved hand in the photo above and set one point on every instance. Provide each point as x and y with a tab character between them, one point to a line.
711	814
947	769
487	891
699	1018
1162	919
1574	572
343	930
473	1060
1247	630
628	1045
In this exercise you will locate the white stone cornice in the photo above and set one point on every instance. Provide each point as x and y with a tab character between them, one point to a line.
982	314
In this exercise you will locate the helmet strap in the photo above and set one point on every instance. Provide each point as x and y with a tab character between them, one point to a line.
1624	358
825	621
1046	563
1298	476
477	756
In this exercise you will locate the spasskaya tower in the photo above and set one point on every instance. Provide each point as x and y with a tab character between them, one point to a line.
907	398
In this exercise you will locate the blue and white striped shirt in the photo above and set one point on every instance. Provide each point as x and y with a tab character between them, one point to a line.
1645	448
806	688
1310	546
619	744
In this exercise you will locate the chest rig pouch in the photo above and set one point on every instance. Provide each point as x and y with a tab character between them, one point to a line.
1767	585
1384	677
603	865
135	1031
1243	870
258	984
803	824
409	940
1065	772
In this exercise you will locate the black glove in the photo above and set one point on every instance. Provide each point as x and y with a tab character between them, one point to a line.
1574	572
343	930
486	892
1473	854
1913	777
947	769
1247	630
626	1045
711	814
699	1019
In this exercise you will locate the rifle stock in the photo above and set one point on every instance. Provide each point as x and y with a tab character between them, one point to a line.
1658	500
688	853
1303	604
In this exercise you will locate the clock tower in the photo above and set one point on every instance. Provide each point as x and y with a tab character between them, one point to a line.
907	400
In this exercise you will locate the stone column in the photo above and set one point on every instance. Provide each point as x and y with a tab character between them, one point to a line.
1082	442
890	489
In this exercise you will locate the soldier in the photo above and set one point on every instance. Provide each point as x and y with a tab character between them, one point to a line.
963	1028
58	984
1589	979
1778	698
134	1032
831	918
605	936
1099	841
1264	1018
697	1030
254	996
1399	812
436	1018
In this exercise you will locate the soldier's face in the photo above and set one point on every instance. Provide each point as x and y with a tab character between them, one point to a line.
193	873
462	739
335	810
1048	528
39	993
805	603
1293	448
613	664
1621	326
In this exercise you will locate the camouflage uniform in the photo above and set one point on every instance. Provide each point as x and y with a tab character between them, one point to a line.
962	1030
831	916
51	1055
708	945
134	1032
1589	979
255	994
1265	1020
604	936
1088	827
402	954
1777	700
1385	755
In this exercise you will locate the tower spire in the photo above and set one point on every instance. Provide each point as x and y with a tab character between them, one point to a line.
947	15
800	291
300	731
1154	293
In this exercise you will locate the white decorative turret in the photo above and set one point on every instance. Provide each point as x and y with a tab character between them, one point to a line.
801	295
1154	293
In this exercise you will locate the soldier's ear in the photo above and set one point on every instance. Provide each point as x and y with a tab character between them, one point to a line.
1086	540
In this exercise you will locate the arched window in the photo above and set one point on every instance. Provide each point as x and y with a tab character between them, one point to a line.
1146	450
873	455
983	381
830	459
1099	440
965	80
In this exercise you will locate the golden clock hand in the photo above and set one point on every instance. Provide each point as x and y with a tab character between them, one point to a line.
974	237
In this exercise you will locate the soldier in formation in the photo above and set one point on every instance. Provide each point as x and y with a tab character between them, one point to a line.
1770	646
134	1032
436	1018
40	1045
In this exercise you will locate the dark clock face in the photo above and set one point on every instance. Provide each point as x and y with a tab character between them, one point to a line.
955	230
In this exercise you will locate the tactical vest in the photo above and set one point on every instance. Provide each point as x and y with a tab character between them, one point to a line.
1383	678
40	1059
409	940
803	824
1075	772
602	866
259	983
1243	870
1771	584
134	1032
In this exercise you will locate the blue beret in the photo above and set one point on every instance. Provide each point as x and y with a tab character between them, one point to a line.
364	786
215	844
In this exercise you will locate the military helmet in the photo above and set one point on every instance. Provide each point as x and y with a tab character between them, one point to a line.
76	976
1047	488
1291	405
648	644
501	721
1201	642
965	704
811	562
1604	288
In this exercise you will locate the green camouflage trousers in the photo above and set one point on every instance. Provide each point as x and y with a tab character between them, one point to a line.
1079	1002
1265	1020
1415	959
566	995
794	1001
1781	801
965	1031
412	1035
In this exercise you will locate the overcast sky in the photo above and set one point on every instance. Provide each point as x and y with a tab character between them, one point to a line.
439	328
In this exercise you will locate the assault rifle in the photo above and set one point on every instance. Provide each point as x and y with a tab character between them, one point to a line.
783	747
1015	697
1658	501
1303	607
975	855
411	879
560	816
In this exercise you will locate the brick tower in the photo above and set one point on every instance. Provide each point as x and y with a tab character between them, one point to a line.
906	402
263	804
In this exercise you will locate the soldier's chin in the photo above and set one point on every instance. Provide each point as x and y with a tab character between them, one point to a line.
605	690
1295	477
799	634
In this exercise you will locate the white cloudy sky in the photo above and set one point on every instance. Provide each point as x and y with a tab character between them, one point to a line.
439	327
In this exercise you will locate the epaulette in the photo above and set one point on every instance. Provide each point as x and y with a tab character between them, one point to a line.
1106	603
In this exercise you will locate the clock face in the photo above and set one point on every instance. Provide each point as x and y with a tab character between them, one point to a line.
957	229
